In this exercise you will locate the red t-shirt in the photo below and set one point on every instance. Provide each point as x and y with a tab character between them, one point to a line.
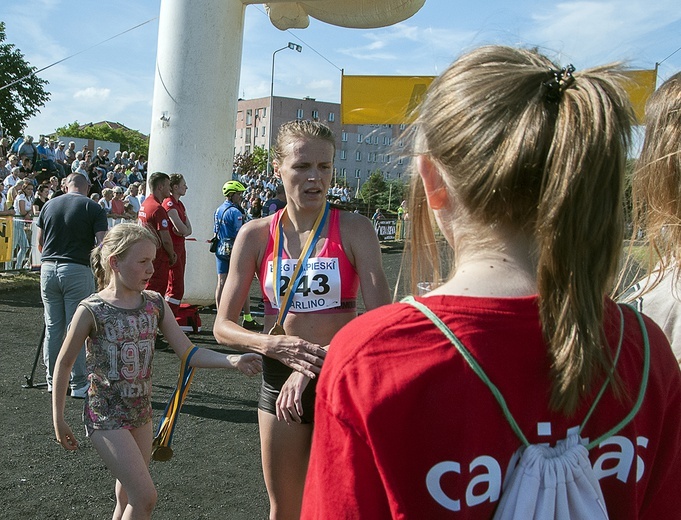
153	215
405	429
171	203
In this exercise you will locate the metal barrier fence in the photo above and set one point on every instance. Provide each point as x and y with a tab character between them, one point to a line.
18	244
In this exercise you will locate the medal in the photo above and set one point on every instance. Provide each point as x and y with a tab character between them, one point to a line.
161	453
277	330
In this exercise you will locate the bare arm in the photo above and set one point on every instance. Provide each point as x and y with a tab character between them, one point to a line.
249	364
180	227
364	252
80	328
99	236
292	351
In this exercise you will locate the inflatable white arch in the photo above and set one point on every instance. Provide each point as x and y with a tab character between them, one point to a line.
195	95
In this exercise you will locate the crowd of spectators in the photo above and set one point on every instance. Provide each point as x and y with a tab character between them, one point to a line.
32	174
263	188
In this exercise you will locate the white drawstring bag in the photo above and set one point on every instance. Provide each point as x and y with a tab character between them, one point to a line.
551	483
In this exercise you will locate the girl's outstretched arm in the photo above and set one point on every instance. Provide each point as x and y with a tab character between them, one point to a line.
249	364
79	330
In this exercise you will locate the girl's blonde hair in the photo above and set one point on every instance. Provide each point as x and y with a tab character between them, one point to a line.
117	242
525	146
298	130
656	183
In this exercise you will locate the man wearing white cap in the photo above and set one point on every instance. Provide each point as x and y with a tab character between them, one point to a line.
60	157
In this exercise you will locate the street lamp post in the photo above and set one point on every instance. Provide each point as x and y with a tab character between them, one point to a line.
293	47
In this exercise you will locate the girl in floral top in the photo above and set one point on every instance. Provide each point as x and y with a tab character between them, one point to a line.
119	325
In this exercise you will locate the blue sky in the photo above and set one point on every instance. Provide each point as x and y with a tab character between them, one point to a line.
114	81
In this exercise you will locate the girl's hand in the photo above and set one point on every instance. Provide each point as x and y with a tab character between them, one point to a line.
65	436
289	402
249	364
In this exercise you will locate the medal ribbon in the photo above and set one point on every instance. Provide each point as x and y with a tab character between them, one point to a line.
285	304
166	428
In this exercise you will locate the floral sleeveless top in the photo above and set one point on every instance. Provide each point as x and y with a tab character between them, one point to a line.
119	355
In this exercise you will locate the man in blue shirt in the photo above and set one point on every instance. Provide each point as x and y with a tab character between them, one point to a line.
229	218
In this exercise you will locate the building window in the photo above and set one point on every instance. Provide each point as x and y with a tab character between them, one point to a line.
332	117
315	115
359	138
249	117
344	137
403	126
358	156
247	150
299	113
358	173
263	131
344	172
375	139
387	158
264	112
248	135
255	131
368	139
400	161
343	155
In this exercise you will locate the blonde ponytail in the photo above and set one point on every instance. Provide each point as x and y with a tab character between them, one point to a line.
526	145
580	236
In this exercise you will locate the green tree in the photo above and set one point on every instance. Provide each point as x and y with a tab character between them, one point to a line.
374	186
377	192
392	196
21	100
251	162
129	140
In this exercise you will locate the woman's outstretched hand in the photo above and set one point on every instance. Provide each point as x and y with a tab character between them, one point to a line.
298	354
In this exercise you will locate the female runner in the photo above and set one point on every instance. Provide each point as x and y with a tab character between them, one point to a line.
343	255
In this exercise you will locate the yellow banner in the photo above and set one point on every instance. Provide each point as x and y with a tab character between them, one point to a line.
392	100
6	239
381	100
640	85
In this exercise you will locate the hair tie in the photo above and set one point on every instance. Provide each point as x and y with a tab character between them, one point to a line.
562	79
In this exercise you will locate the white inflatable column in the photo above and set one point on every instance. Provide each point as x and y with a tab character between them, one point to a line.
193	117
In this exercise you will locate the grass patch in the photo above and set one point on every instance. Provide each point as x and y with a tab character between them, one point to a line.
19	279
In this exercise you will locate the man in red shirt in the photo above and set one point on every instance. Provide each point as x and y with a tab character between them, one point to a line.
153	215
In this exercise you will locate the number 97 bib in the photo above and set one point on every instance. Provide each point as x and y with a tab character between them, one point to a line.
319	286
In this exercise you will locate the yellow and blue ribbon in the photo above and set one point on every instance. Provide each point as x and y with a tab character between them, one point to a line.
161	450
285	303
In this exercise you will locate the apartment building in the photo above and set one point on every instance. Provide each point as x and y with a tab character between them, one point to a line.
360	149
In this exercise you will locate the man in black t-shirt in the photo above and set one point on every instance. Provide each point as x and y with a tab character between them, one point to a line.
69	226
